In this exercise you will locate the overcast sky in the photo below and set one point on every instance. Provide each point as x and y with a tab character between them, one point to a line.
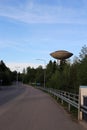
32	29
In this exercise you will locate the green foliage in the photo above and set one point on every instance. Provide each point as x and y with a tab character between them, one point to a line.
51	69
5	74
83	72
66	77
33	76
29	76
54	81
83	52
39	75
73	81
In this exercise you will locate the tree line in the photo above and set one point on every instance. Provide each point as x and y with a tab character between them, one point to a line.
69	78
7	77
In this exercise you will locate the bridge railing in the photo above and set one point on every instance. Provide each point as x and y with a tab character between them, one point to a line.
71	98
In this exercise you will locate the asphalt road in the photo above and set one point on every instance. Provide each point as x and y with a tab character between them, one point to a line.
32	109
10	92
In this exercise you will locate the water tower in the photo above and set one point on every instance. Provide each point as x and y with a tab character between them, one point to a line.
61	55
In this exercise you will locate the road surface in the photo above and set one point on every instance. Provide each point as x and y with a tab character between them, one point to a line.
10	92
32	109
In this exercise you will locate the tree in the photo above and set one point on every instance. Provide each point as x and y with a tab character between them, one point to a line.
30	75
67	77
83	52
40	75
55	80
82	73
51	69
5	74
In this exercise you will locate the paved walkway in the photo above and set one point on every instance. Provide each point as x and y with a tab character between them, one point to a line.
35	110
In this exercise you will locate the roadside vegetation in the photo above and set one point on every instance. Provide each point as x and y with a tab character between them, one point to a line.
6	76
67	77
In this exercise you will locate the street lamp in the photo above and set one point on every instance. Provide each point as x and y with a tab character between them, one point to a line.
44	69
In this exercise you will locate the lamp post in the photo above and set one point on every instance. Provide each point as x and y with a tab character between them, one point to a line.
44	70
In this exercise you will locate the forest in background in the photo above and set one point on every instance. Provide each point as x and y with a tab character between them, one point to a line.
68	77
7	77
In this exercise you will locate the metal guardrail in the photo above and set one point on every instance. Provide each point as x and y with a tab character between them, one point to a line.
84	109
71	98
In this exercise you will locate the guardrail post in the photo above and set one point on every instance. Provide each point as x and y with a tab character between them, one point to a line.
69	107
62	101
57	97
79	102
82	93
